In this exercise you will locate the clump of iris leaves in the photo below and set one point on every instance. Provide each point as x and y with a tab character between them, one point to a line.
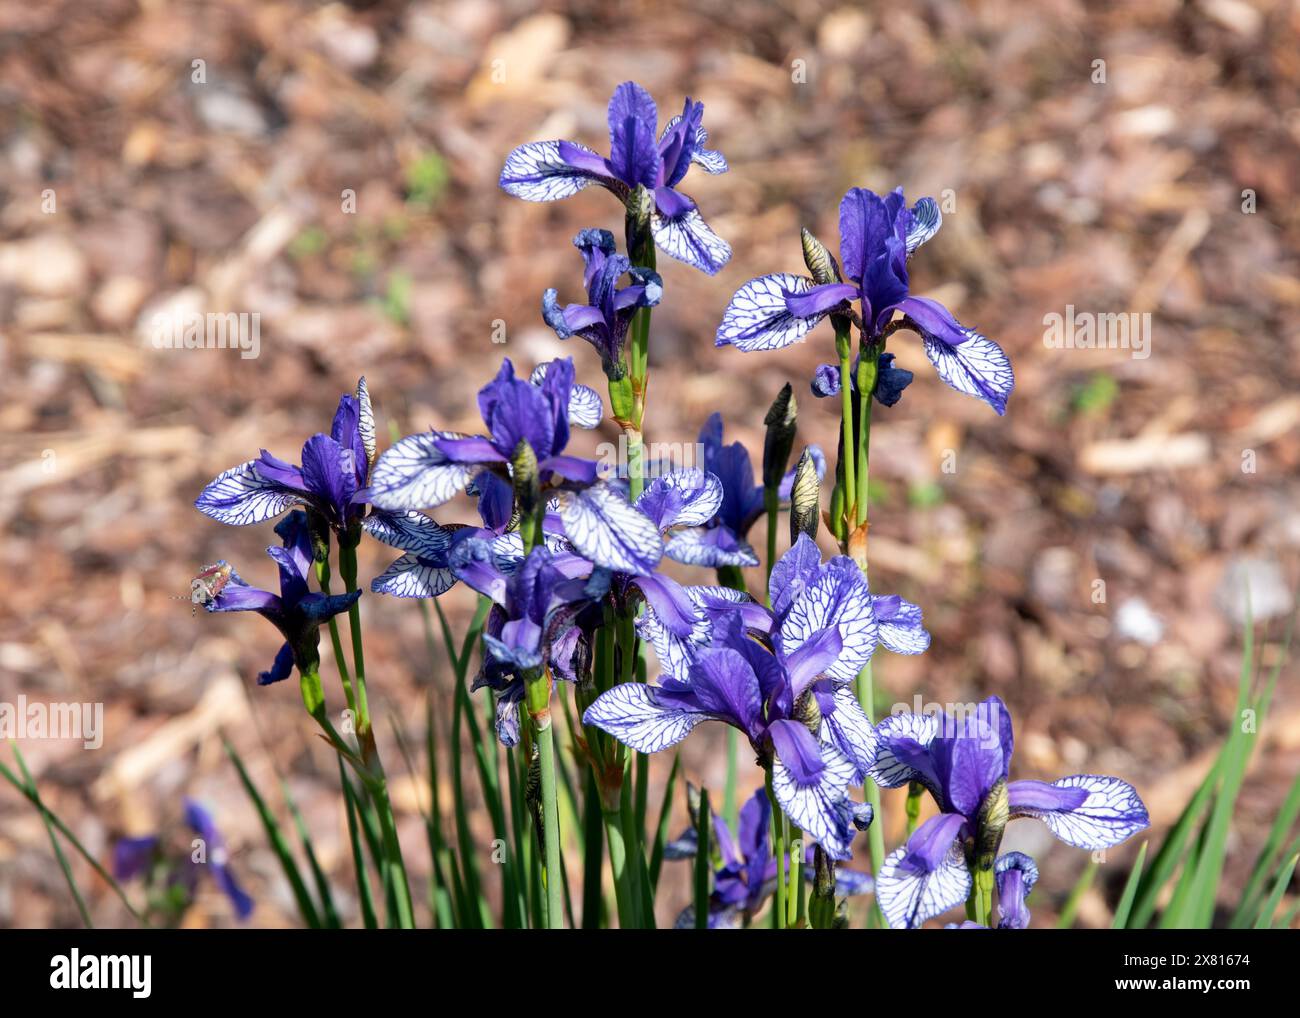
576	608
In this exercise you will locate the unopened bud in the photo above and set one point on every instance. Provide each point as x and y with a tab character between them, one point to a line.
821	263
991	821
780	421
523	474
805	498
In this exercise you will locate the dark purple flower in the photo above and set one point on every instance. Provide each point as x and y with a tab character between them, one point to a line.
331	479
536	600
550	170
723	542
604	320
964	761
876	237
890	381
747	871
297	612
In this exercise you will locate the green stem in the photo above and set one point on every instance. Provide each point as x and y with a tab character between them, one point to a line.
348	567
979	904
340	660
703	861
849	453
875	833
544	733
778	847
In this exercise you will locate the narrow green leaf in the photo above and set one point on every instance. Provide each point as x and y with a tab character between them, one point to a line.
1070	910
661	830
1265	920
364	892
1125	906
54	842
279	843
703	861
331	917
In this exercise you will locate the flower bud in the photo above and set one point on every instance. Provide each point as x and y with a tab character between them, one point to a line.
991	821
640	205
524	475
808	712
805	498
780	421
821	263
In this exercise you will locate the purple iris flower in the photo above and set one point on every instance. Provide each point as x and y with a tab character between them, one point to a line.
723	542
550	170
297	612
1015	875
890	381
876	237
964	762
782	694
806	595
428	469
331	480
133	857
746	872
535	602
604	320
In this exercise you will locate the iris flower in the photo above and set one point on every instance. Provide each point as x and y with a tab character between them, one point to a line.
723	541
331	479
535	600
964	762
604	320
877	235
427	469
550	170
746	873
789	694
297	612
133	857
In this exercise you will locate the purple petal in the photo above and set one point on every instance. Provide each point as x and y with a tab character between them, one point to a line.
822	810
1085	810
633	155
819	300
967	361
918	884
759	317
242	495
725	685
550	170
643	717
607	530
798	750
416	474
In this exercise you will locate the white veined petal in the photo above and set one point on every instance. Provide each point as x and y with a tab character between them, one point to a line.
366	419
241	496
838	598
700	492
850	730
676	653
585	407
889	771
689	239
904	633
608	531
415	474
630	713
535	172
408	530
977	367
819	809
908	899
409	576
926	220
758	319
1112	812
694	548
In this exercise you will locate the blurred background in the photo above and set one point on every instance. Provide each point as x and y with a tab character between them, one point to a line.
332	168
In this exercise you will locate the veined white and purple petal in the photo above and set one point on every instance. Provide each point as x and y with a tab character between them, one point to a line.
689	497
413	576
607	530
909	894
819	808
689	239
898	625
1084	810
759	318
539	171
840	598
416	474
241	496
641	717
847	727
410	531
900	740
967	361
926	220
711	547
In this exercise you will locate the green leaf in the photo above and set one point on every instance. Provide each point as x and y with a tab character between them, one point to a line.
1265	920
1070	910
279	843
1125	907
